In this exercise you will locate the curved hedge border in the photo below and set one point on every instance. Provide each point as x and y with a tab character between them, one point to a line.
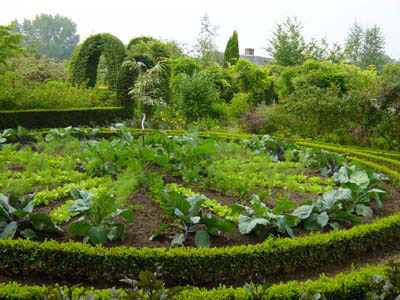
351	286
79	262
86	59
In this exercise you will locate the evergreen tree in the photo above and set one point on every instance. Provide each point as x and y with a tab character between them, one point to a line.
287	46
231	54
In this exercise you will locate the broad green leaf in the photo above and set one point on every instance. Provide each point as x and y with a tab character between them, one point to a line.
285	222
341	176
236	209
215	224
79	194
79	226
117	231
202	239
176	200
97	234
247	224
323	219
303	212
377	193
344	216
29	234
364	210
40	221
19	213
360	178
195	204
127	214
178	239
80	205
311	223
9	231
159	231
329	199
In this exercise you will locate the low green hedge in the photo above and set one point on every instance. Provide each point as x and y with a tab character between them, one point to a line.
60	118
351	286
79	262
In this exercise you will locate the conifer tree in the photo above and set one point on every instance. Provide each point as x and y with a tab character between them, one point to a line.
231	54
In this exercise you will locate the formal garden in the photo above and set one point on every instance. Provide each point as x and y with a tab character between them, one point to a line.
137	172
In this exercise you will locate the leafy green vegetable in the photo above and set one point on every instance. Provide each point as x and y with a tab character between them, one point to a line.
16	217
260	219
100	221
192	218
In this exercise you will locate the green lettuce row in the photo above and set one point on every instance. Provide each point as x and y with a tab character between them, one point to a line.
350	286
83	262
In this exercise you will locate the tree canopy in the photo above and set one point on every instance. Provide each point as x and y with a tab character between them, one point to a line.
287	46
51	36
9	42
366	46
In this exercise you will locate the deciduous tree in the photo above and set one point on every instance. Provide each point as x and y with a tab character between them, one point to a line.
52	36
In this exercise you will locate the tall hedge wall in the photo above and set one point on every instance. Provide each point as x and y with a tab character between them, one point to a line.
60	118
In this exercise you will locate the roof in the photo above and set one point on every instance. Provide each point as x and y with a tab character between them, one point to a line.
258	60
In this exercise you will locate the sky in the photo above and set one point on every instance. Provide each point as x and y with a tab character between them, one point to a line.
254	20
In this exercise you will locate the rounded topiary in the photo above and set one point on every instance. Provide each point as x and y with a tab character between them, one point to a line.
86	57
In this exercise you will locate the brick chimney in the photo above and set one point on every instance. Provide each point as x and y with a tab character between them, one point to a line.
249	51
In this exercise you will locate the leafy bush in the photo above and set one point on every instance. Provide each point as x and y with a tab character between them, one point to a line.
31	68
196	94
323	95
16	94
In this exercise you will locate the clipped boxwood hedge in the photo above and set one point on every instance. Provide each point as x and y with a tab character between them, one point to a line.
79	262
351	286
60	118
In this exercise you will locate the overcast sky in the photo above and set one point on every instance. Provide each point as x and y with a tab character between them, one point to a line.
253	20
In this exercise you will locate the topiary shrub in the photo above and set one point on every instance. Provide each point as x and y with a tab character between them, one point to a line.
86	57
